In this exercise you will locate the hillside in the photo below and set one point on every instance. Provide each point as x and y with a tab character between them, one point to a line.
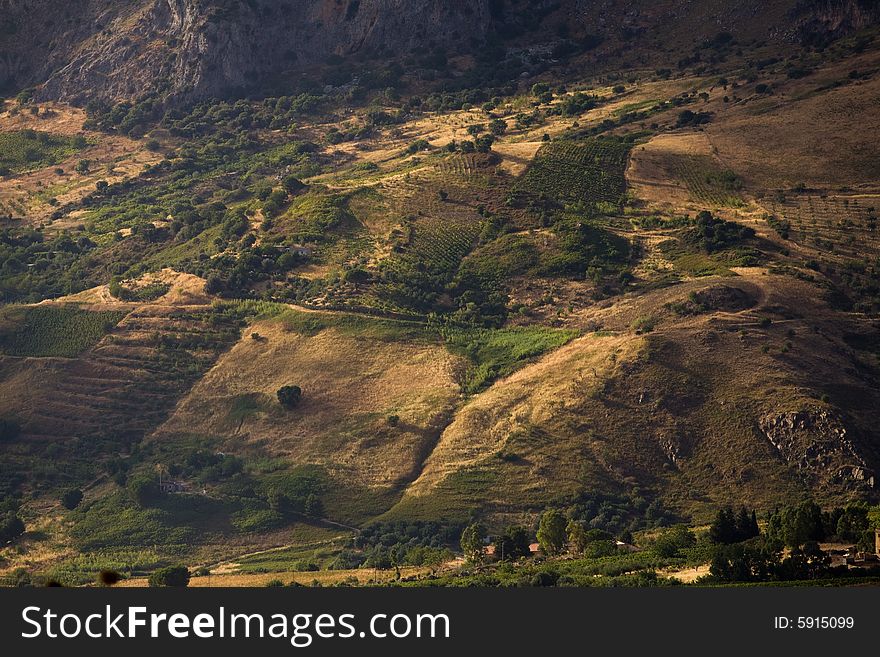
265	293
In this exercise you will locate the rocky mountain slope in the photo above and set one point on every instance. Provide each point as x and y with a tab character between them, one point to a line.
187	49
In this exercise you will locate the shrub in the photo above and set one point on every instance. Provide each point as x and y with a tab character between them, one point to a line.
177	576
71	498
289	396
498	127
292	184
11	527
144	489
108	577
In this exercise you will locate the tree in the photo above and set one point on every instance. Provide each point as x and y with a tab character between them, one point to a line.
540	88
472	542
723	528
512	544
743	563
108	577
177	576
313	506
551	532
292	184
289	396
746	525
144	489
279	502
576	536
484	144
83	166
852	523
71	498
673	540
11	527
498	127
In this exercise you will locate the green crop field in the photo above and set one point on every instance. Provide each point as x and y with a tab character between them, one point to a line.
29	149
708	183
590	171
498	353
52	330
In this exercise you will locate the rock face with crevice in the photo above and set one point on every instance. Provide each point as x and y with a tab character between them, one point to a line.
817	443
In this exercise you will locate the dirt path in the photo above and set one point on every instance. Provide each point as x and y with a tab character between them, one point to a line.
687	575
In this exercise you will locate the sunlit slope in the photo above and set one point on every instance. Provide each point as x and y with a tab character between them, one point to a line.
373	401
706	409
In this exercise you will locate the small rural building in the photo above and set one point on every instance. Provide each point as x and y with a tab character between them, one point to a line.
170	486
301	251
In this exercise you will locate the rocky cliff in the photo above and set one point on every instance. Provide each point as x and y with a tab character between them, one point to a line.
187	49
200	48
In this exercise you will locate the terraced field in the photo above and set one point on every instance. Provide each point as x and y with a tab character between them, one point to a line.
62	331
589	171
707	182
841	225
127	384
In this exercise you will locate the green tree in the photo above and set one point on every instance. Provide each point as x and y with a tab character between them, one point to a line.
313	506
746	525
743	563
144	489
852	523
512	544
551	532
540	88
576	536
673	540
498	127
289	396
11	527
472	542
484	143
279	502
71	498
723	528
176	576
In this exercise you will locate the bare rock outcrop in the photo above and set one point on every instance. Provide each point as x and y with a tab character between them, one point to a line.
817	443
